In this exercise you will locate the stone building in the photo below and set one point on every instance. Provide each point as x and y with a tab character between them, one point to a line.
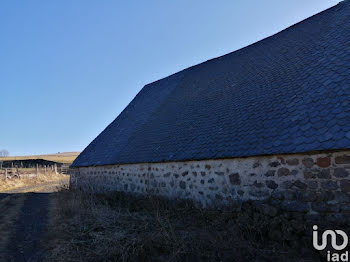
268	122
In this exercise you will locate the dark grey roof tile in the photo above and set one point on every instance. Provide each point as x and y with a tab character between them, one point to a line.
288	93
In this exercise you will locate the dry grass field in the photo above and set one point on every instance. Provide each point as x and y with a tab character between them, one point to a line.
30	179
67	157
33	184
119	227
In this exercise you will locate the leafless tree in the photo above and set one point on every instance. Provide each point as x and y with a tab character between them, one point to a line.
4	153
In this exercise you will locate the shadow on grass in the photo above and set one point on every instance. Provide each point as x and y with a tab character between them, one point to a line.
121	227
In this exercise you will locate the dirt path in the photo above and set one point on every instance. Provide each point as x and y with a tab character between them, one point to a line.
25	242
3	195
30	226
47	187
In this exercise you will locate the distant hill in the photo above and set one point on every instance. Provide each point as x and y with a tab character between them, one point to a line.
66	157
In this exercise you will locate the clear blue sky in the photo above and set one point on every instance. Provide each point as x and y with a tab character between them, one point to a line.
68	68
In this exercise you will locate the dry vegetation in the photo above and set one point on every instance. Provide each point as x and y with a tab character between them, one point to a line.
68	157
32	184
118	227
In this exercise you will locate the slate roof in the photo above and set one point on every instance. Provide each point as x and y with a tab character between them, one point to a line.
288	93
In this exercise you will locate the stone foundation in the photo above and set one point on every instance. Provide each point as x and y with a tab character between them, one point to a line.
313	184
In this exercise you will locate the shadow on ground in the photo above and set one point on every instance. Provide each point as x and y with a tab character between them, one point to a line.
30	226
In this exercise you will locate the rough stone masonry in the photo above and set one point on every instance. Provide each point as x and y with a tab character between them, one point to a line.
313	184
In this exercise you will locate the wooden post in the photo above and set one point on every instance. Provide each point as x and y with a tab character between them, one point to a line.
17	171
5	173
56	169
45	170
37	169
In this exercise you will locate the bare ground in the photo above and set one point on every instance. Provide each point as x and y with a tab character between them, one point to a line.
24	217
25	243
10	207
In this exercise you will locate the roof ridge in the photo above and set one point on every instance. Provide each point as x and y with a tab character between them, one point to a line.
271	36
289	94
252	44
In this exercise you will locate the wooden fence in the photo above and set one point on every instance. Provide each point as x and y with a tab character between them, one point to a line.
17	172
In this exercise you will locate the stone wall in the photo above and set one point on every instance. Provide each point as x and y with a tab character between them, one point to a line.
312	184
